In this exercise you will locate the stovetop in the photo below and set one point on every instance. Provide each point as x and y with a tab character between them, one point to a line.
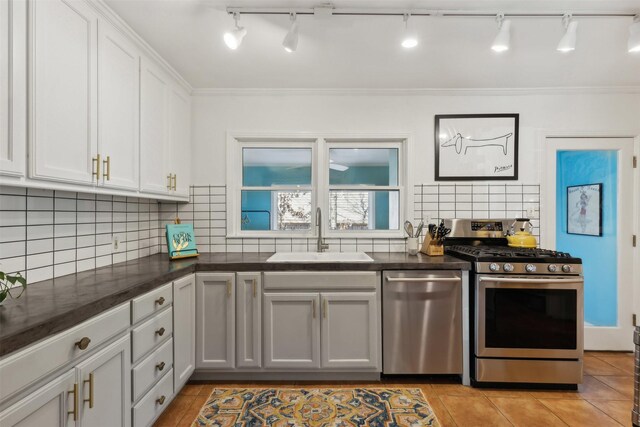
491	253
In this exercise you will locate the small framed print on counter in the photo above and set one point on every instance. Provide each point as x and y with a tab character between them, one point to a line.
476	147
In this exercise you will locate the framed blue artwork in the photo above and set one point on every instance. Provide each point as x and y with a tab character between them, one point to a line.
181	241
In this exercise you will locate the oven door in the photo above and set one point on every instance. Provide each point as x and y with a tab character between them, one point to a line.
529	317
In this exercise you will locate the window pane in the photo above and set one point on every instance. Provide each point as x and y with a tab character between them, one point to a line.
264	167
364	210
363	166
276	210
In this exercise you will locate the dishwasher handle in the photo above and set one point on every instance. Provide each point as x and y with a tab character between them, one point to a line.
425	279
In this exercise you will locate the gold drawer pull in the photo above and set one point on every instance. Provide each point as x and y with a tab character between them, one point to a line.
175	181
229	288
96	170
160	301
160	400
83	343
313	309
255	288
160	332
74	412
160	366
90	399
325	308
169	178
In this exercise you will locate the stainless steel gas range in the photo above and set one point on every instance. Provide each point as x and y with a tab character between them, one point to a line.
526	308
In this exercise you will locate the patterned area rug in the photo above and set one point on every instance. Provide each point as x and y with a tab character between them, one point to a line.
316	408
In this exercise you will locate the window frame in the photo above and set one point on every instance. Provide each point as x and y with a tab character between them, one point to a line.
320	145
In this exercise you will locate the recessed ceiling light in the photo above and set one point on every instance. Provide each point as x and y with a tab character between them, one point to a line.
290	42
503	39
634	35
409	38
233	39
568	41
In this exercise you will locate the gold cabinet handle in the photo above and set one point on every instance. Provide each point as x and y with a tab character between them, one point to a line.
74	412
107	168
229	288
160	332
175	181
160	400
255	288
160	301
83	343
313	309
169	178
324	308
160	366
90	399
96	167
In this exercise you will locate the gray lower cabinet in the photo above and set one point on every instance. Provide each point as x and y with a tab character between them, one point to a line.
249	320
184	330
291	330
350	330
215	320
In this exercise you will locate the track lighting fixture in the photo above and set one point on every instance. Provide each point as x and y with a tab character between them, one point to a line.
409	39
233	39
290	42
568	40
634	35
502	40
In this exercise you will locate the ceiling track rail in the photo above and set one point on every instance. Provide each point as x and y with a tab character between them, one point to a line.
422	12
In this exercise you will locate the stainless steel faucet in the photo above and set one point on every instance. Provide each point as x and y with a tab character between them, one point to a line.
322	246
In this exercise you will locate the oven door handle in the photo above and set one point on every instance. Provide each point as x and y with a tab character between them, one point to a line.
519	280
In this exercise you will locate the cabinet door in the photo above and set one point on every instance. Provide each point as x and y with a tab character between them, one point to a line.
215	320
249	320
63	90
118	108
154	115
105	386
13	87
48	406
184	330
180	140
350	330
292	330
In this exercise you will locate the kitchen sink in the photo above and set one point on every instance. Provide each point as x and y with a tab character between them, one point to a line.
320	257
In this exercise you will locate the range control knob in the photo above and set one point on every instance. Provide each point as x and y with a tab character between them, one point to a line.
552	268
530	268
566	268
494	267
508	268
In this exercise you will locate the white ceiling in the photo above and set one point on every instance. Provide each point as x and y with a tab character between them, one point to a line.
364	52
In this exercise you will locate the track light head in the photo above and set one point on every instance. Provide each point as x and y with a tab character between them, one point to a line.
290	42
233	39
568	40
633	45
503	39
409	39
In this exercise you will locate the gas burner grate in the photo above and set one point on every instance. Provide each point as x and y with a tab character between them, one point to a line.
506	252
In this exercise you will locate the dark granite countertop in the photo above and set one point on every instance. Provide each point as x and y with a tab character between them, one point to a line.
51	306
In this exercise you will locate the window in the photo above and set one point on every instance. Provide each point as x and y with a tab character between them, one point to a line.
277	185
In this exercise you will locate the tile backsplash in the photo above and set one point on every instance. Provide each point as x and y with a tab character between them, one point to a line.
45	234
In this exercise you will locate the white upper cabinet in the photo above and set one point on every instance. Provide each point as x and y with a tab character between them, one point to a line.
13	87
118	108
63	86
179	161
154	127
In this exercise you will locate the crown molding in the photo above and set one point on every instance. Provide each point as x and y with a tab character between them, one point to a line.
203	92
107	13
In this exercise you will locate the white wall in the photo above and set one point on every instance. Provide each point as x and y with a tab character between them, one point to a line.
214	115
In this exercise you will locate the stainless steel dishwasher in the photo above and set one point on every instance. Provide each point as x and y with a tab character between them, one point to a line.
422	322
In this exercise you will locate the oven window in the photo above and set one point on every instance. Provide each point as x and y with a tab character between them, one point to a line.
531	318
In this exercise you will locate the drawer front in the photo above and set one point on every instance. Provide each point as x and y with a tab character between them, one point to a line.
152	368
21	369
152	404
151	333
150	303
318	281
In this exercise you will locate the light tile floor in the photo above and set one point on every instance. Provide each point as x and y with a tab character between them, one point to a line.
604	399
